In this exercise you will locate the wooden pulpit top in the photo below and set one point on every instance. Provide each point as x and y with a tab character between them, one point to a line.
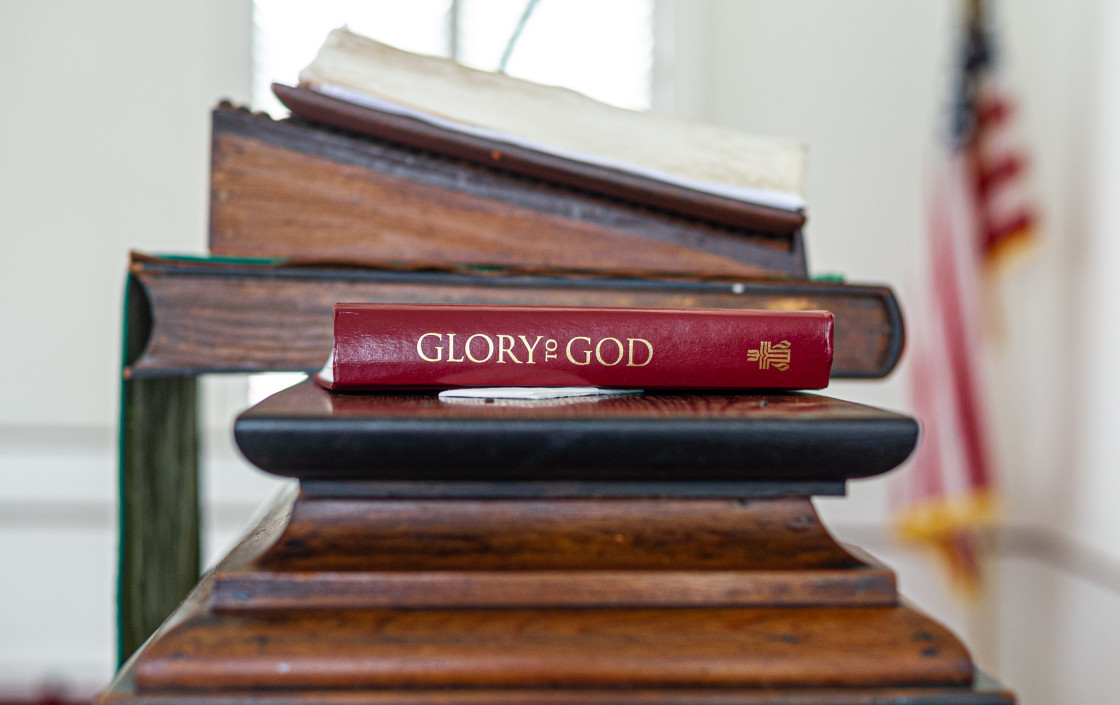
689	439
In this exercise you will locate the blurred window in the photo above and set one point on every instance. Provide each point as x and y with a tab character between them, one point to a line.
603	48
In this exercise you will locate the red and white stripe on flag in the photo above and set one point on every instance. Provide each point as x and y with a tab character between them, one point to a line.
1005	210
946	492
978	214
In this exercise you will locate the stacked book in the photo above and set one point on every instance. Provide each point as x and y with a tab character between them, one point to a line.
403	178
425	227
436	163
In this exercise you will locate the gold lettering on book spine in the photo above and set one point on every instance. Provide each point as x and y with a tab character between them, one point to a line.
503	347
769	355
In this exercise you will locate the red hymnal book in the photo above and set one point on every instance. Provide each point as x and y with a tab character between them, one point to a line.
436	346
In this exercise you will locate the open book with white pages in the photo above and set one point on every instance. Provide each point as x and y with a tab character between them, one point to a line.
558	121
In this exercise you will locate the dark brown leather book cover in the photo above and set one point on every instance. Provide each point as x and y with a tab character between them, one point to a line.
216	315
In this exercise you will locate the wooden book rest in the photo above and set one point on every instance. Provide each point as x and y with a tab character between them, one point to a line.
396	192
657	549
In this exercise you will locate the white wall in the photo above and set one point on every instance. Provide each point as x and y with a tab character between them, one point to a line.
863	82
1095	400
104	147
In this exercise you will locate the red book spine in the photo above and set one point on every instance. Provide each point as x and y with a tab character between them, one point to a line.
436	346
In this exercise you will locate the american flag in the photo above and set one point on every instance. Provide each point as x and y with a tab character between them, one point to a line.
978	214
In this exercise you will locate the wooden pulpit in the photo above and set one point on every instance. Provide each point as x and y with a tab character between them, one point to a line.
650	548
654	548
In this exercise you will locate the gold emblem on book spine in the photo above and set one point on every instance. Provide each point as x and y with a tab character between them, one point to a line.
771	355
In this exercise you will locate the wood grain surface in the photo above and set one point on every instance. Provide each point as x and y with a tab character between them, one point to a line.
994	695
621	648
361	554
290	189
456	652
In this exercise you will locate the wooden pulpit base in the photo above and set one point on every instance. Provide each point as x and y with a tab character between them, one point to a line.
639	549
364	599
